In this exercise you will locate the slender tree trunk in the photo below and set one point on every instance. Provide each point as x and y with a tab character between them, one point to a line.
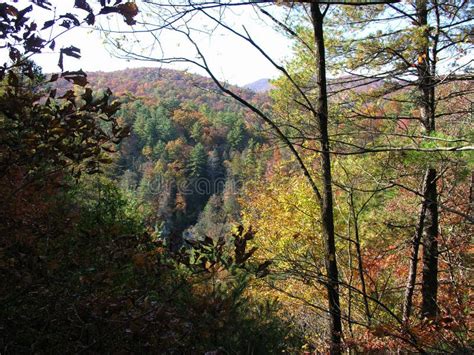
360	265
349	291
327	217
426	73
429	285
471	196
415	246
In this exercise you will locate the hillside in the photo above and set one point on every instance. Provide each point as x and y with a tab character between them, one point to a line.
154	85
189	147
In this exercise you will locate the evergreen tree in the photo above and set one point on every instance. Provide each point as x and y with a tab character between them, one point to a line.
197	161
162	127
197	131
153	124
236	135
159	150
139	126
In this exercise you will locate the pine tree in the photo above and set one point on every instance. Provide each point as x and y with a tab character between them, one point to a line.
196	131
235	137
419	35
197	161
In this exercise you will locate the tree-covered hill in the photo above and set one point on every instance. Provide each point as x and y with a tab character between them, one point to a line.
188	143
157	84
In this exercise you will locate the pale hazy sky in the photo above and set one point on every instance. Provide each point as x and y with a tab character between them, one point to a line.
231	59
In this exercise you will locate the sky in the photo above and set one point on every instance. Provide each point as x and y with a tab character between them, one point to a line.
231	59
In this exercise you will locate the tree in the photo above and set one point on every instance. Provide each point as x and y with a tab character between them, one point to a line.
197	161
197	131
235	137
409	55
152	124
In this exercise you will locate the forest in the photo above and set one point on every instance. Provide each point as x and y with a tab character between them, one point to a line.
157	210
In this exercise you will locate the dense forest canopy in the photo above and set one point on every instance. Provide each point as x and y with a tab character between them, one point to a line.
153	210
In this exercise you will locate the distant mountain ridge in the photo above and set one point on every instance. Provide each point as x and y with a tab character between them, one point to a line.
158	82
154	85
260	86
334	84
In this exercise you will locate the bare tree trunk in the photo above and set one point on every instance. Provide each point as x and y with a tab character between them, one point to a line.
426	73
327	217
429	285
415	246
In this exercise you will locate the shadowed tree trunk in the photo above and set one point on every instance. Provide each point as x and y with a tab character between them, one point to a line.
429	289
327	217
415	247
